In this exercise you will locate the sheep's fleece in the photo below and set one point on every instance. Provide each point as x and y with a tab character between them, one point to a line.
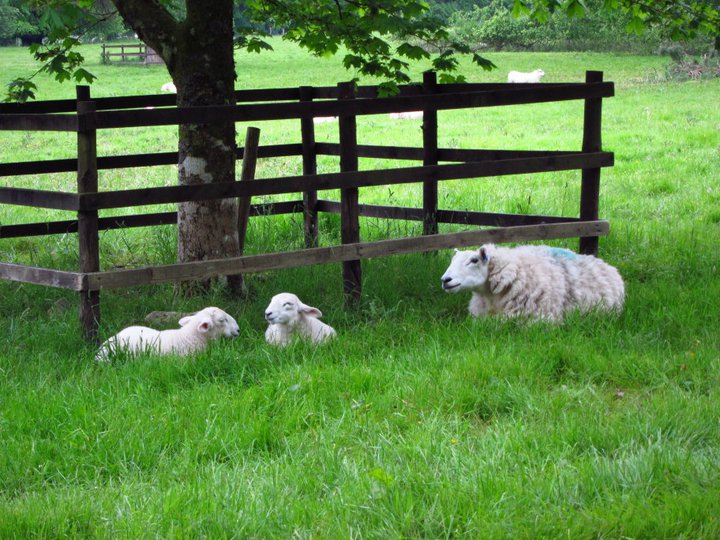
193	335
537	281
287	316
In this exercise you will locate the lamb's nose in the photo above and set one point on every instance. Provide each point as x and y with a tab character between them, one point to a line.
268	314
445	280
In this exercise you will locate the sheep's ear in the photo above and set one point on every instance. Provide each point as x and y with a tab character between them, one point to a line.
204	325
309	310
484	255
185	320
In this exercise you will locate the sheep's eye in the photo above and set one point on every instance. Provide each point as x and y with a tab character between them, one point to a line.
474	260
287	305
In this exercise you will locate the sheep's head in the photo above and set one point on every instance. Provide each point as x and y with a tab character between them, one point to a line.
539	72
468	270
213	322
286	308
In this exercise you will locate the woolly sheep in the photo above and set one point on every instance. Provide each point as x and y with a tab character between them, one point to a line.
288	316
537	281
520	77
168	87
195	332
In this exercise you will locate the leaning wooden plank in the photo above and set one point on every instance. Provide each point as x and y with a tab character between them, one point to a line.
41	276
347	252
290	184
58	200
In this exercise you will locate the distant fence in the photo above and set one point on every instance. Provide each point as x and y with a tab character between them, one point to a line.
129	53
304	103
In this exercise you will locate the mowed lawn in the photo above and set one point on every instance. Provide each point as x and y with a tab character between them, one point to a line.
417	421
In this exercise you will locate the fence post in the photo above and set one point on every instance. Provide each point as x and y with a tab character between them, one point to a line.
430	151
592	142
349	211
88	237
307	128
249	162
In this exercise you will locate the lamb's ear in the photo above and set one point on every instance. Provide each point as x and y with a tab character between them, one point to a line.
484	257
309	310
185	320
205	324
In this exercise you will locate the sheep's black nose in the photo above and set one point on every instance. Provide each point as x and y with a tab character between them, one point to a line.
446	279
268	314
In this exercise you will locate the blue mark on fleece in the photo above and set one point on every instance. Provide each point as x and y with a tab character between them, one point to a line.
562	253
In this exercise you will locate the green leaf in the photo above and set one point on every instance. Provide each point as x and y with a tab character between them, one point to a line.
483	62
575	9
520	8
412	51
81	75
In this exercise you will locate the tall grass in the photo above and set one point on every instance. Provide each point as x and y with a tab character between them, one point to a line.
418	421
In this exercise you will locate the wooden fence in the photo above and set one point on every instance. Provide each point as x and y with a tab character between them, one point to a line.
345	101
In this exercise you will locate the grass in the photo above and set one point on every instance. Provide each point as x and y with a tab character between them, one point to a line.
418	422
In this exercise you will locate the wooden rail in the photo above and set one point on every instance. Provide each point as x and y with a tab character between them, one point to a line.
435	164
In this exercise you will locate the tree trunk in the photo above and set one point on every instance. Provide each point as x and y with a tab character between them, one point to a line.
204	75
198	52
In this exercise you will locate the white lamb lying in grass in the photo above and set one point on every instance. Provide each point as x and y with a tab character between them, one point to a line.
536	281
288	316
195	333
521	77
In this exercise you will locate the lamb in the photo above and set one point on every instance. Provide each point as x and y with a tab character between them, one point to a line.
520	77
168	87
541	282
288	316
194	335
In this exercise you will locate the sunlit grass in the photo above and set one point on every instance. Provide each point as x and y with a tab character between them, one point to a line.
418	421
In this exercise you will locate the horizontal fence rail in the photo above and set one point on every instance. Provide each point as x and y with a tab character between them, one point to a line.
290	184
106	119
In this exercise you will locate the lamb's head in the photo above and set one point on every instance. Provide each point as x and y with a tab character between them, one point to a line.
468	270
539	73
287	309
213	322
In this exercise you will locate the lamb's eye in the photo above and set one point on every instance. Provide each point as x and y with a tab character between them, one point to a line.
287	305
474	260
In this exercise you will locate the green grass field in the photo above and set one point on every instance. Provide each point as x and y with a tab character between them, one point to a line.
418	421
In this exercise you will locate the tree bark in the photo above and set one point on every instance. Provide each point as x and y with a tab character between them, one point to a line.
198	52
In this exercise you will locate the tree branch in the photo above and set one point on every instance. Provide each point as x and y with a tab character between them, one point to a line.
153	23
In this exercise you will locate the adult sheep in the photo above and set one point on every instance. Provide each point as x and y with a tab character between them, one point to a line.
287	317
194	334
537	281
521	77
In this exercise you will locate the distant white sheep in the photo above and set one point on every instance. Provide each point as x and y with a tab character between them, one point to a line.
168	87
195	333
409	115
521	77
323	119
288	316
536	281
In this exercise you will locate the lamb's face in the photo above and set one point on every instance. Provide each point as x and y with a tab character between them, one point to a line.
468	270
286	308
214	322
